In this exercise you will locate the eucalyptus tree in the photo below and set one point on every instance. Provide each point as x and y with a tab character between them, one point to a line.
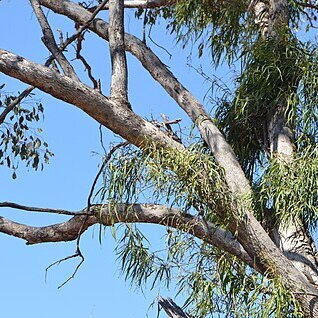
239	200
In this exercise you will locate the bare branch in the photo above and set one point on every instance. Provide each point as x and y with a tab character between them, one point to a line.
41	210
63	46
79	56
115	116
144	4
148	3
102	167
138	213
49	41
117	51
66	231
75	255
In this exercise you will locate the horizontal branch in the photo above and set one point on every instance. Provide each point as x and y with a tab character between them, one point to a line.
148	3
13	205
108	215
66	231
144	4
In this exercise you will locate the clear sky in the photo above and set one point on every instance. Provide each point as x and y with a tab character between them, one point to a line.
98	290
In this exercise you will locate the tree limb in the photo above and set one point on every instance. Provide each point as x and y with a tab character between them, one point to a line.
111	214
112	115
145	4
49	41
119	80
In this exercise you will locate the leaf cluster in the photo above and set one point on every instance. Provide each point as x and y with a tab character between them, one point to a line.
277	76
212	282
291	189
19	140
221	26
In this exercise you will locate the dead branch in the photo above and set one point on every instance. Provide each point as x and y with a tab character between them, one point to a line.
79	56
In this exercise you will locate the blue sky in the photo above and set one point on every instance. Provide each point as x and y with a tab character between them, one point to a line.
98	290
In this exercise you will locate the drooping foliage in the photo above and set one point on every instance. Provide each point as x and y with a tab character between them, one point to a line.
213	282
292	189
271	74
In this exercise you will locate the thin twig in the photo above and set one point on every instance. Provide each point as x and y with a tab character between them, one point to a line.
76	254
101	139
37	209
102	167
88	68
158	45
